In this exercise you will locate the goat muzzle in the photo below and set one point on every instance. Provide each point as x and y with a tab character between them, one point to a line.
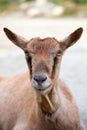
41	82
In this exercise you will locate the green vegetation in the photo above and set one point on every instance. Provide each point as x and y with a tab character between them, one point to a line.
63	1
71	7
6	5
81	1
4	2
28	0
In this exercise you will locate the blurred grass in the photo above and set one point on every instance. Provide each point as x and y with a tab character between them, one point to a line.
71	7
4	2
81	1
27	0
64	1
8	7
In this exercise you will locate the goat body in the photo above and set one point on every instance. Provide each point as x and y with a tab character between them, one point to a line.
38	99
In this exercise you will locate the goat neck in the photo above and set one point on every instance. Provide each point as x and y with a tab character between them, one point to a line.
49	102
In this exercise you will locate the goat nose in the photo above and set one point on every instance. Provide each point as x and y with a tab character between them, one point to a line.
40	78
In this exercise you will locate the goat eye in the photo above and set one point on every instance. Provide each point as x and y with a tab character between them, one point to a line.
26	53
29	61
55	61
56	58
59	53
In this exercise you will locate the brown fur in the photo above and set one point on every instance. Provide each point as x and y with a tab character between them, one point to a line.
24	108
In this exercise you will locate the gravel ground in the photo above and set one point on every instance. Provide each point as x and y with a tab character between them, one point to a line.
74	64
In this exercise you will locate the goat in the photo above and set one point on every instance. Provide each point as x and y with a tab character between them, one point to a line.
38	99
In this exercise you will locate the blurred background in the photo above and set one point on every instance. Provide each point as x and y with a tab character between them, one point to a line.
47	8
54	18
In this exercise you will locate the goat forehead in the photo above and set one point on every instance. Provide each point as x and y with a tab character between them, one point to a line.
38	44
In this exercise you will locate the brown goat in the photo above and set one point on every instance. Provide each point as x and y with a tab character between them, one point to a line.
38	99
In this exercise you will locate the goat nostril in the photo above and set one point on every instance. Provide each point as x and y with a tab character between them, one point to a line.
40	78
45	78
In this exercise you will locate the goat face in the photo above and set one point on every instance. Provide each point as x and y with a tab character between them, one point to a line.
43	57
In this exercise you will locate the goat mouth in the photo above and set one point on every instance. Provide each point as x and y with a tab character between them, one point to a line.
44	90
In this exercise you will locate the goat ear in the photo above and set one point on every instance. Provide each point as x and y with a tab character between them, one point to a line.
16	39
72	38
